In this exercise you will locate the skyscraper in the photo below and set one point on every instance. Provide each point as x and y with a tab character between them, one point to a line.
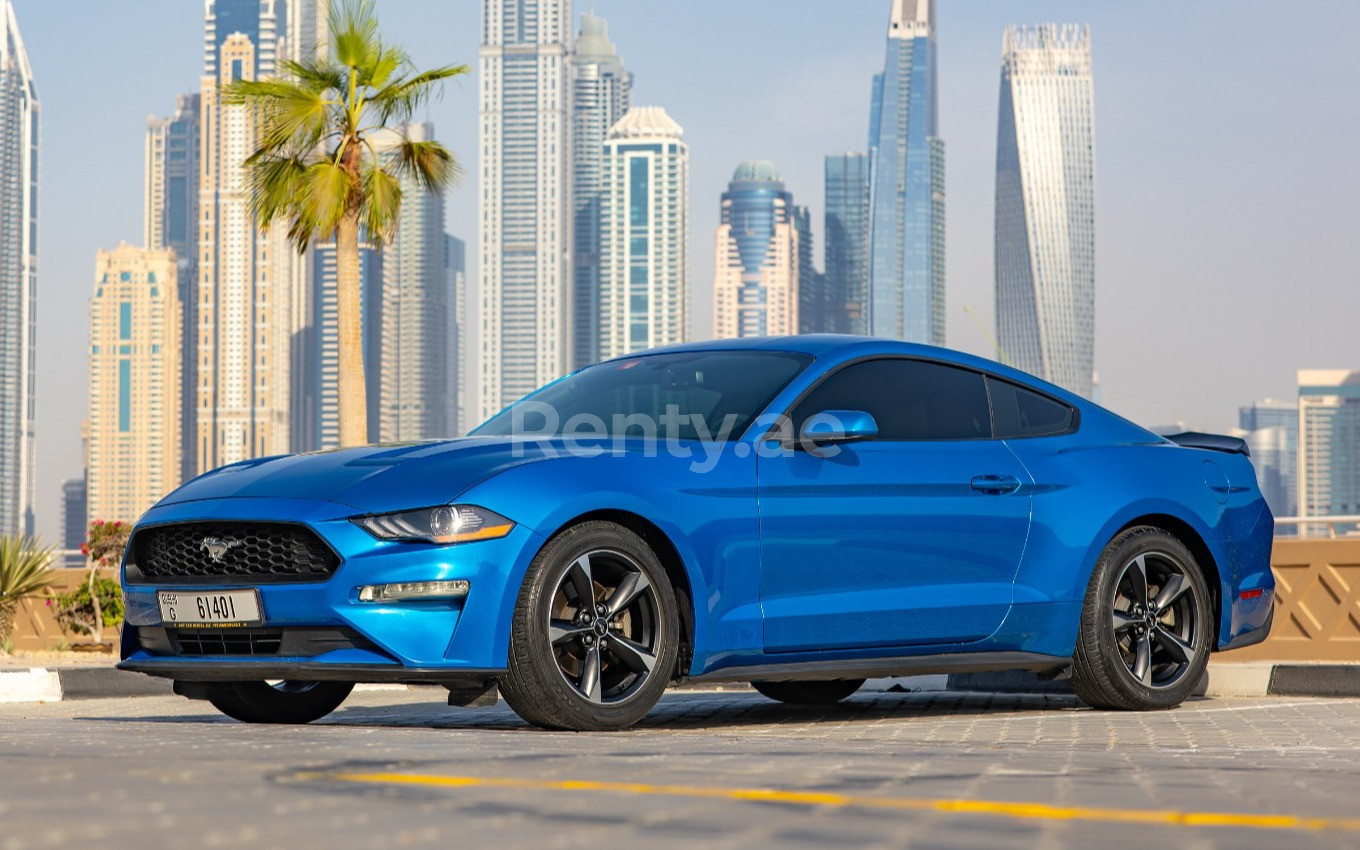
1329	442
415	378
814	309
171	211
18	275
455	269
134	404
601	94
846	247
644	224
1045	204
906	268
524	202
1271	429
755	281
74	520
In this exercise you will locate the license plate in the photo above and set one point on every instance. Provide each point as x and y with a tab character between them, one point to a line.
204	608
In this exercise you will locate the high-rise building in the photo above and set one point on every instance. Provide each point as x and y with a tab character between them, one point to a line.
906	266
1271	429
18	275
1045	204
846	247
171	212
316	347
755	281
244	325
524	158
74	520
644	224
134	404
814	306
1329	443
601	93
455	270
415	378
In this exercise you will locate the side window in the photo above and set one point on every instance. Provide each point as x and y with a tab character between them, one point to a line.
1018	412
909	399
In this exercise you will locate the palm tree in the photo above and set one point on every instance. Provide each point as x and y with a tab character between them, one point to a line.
323	169
25	570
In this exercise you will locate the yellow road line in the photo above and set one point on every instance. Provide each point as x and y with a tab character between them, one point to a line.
997	808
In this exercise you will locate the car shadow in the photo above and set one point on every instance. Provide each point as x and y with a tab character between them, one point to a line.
678	711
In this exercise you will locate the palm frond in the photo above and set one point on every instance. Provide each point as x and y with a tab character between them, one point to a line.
327	194
403	96
315	75
276	184
386	62
25	567
429	163
354	32
382	195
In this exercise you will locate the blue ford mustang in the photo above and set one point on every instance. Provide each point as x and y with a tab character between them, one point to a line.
799	513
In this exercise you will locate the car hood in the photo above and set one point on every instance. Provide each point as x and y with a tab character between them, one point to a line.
372	479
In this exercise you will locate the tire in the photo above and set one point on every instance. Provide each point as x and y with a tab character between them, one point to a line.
575	668
282	702
1143	645
809	693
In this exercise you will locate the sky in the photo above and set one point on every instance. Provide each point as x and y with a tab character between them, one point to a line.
1227	171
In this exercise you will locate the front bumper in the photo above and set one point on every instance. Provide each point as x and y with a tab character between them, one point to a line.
415	641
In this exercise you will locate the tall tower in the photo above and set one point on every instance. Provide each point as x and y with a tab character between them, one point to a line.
171	210
644	221
601	92
1045	204
524	204
1329	443
755	281
846	246
906	268
244	330
134	405
415	376
18	275
455	272
814	313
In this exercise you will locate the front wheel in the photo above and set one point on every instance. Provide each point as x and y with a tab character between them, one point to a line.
1146	625
595	634
278	702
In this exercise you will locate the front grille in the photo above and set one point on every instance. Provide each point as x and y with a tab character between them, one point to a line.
261	552
228	641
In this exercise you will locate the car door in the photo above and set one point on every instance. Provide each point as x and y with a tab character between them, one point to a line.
911	538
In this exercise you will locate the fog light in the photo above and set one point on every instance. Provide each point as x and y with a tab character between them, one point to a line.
455	589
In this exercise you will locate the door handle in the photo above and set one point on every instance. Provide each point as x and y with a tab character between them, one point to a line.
996	485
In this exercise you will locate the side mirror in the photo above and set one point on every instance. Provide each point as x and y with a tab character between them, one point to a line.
831	427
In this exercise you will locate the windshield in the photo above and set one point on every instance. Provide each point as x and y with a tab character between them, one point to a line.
693	395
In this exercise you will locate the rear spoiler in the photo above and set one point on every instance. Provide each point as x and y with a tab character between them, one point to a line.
1212	442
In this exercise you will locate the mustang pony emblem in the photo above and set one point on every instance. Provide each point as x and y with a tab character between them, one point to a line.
217	548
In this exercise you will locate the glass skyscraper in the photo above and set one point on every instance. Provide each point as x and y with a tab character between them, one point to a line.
846	248
171	211
644	226
1329	443
1271	429
601	94
906	268
755	282
18	275
524	159
1045	205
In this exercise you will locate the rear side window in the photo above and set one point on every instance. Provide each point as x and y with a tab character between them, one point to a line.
909	399
1018	412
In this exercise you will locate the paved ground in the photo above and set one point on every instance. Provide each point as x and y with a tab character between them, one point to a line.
731	770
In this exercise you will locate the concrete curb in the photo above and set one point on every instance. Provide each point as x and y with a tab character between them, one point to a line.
1224	679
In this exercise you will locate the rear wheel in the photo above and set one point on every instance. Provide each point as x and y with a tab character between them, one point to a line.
595	634
809	693
278	702
1146	625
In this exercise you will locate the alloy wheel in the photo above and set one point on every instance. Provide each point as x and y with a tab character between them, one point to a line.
603	626
1155	619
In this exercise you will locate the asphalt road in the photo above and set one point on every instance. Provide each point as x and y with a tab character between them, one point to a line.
731	770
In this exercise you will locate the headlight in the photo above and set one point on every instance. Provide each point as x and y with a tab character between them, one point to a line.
440	524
